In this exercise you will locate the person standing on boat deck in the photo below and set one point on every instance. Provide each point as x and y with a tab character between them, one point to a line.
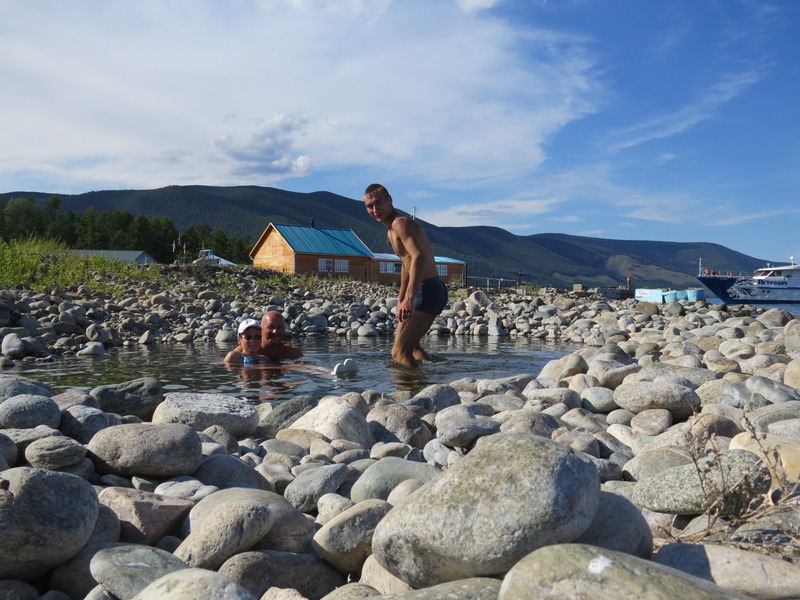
423	294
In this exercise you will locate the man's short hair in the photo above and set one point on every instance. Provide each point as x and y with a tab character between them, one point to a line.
374	189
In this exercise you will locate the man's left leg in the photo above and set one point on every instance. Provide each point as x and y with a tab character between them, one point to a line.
407	349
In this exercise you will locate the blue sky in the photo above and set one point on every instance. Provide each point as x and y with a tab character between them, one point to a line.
624	119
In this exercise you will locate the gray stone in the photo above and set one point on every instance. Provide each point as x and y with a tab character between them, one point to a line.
12	346
459	426
232	527
287	412
200	411
45	516
336	418
158	450
680	400
54	452
306	573
82	422
126	570
193	584
74	577
652	462
106	528
724	484
308	487
352	591
8	450
138	397
620	526
17	590
598	399
473	588
381	477
345	541
291	530
753	574
14	386
578	571
435	398
186	488
511	494
226	471
26	411
398	423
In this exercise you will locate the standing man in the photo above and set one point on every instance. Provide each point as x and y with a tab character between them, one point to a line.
423	294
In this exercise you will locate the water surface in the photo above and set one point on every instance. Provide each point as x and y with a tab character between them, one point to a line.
199	368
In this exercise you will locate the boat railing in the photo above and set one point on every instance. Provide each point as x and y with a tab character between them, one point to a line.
707	272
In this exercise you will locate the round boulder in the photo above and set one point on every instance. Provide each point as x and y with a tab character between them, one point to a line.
513	493
157	450
46	517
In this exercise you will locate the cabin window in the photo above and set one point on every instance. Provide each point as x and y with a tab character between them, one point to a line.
390	268
441	270
342	265
325	265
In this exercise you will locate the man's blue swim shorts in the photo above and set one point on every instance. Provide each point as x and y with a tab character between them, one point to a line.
432	296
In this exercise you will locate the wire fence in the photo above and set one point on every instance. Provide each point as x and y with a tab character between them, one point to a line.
495	283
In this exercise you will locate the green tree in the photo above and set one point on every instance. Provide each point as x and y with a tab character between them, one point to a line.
22	219
87	230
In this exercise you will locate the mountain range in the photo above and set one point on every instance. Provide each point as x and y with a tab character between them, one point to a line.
543	259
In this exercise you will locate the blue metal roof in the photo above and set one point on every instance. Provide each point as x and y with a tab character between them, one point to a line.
437	259
322	240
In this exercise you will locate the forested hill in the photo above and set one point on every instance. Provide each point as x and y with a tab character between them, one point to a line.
549	259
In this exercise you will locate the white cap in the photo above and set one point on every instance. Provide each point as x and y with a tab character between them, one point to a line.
247	324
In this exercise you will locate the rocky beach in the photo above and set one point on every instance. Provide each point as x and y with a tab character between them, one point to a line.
659	460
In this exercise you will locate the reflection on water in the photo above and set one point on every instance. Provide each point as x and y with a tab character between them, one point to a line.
199	368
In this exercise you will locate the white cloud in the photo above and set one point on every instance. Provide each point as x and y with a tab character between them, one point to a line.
703	107
438	91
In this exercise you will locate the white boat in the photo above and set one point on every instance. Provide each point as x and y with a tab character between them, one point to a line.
768	285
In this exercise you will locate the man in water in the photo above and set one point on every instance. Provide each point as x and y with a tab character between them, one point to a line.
423	294
273	328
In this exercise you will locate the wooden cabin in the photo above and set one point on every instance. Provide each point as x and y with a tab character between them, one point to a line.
322	251
338	253
386	269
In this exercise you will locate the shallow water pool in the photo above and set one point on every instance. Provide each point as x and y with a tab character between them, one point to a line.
199	368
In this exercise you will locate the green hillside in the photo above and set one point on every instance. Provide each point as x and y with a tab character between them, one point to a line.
548	259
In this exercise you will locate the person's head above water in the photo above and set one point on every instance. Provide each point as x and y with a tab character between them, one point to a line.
249	337
273	328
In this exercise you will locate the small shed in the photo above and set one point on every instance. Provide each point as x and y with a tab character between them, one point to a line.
386	268
139	257
322	251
